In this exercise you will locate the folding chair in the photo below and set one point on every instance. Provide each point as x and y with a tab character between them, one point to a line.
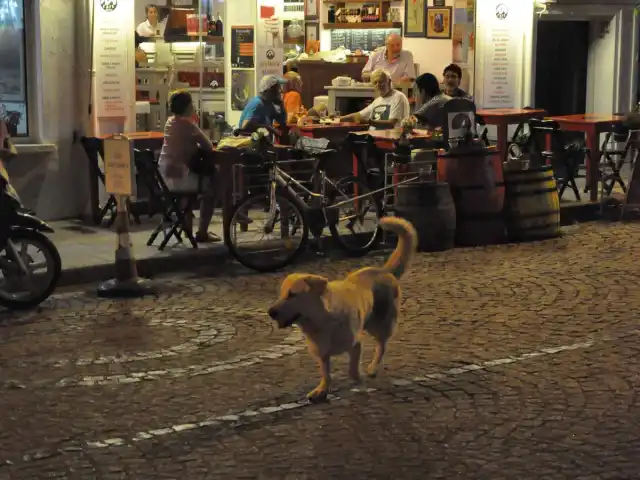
174	208
613	159
565	160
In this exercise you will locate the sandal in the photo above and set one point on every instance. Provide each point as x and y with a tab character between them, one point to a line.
207	237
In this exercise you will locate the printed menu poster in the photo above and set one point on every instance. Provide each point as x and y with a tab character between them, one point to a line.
504	41
242	46
110	59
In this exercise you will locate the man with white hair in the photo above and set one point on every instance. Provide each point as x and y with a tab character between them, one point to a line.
393	59
389	107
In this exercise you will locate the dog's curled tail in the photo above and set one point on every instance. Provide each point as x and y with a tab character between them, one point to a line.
401	258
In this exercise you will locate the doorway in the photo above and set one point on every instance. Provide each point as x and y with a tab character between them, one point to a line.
562	60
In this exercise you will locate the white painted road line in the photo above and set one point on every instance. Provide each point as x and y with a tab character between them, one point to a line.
230	419
290	345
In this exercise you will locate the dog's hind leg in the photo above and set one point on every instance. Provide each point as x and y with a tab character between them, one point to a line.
319	393
354	362
374	366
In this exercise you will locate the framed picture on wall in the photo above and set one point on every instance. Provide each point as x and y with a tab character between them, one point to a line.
312	32
311	9
415	12
439	22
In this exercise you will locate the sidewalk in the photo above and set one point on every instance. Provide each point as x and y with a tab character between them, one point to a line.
88	252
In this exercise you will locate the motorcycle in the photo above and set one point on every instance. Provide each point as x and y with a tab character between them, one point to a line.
25	280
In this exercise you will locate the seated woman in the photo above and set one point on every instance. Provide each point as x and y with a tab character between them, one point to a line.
292	98
186	148
429	101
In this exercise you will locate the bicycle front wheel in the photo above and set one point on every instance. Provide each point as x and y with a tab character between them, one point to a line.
265	237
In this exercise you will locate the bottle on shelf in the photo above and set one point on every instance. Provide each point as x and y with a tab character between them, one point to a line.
212	26
332	14
219	26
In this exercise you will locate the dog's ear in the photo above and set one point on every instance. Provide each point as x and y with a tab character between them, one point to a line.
316	283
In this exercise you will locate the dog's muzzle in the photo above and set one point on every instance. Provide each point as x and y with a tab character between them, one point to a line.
274	313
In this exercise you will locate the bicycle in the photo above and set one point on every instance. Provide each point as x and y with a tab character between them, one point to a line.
311	210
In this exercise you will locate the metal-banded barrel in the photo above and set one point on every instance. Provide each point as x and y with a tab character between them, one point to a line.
475	177
532	205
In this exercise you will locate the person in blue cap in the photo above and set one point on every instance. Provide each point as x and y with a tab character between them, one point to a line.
266	108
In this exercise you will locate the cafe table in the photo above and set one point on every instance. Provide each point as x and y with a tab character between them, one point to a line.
502	118
335	132
592	125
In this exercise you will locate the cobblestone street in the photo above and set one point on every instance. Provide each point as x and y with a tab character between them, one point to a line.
511	362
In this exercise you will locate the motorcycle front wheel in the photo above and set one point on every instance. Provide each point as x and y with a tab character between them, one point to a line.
30	268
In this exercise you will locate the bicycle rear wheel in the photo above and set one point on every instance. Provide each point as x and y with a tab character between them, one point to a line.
262	243
356	224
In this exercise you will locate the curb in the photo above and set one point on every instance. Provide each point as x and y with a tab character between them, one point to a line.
219	257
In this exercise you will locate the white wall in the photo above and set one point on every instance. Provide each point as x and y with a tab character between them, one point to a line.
601	66
52	177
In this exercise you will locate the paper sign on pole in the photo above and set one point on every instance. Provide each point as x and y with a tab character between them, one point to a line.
118	166
269	34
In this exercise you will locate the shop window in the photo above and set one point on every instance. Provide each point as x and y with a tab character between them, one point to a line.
13	67
182	41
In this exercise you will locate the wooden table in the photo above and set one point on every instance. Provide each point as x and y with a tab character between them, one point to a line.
94	148
385	138
319	130
592	125
335	132
502	118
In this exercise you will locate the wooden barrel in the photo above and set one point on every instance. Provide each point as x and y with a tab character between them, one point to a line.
429	207
475	177
532	205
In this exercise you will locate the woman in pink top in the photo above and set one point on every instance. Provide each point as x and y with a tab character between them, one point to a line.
186	145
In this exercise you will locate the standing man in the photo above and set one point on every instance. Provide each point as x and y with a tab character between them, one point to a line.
393	59
452	76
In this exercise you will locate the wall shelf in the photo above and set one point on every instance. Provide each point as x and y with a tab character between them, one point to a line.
361	26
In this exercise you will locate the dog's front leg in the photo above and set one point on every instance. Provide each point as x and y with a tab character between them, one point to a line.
320	392
354	362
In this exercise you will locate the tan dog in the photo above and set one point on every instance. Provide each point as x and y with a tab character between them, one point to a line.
333	315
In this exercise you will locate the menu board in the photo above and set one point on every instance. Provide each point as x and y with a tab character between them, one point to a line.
242	47
366	40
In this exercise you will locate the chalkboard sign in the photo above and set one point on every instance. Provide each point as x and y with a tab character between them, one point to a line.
367	40
242	47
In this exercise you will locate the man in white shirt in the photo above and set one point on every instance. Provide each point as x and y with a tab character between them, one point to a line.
389	107
151	27
398	62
